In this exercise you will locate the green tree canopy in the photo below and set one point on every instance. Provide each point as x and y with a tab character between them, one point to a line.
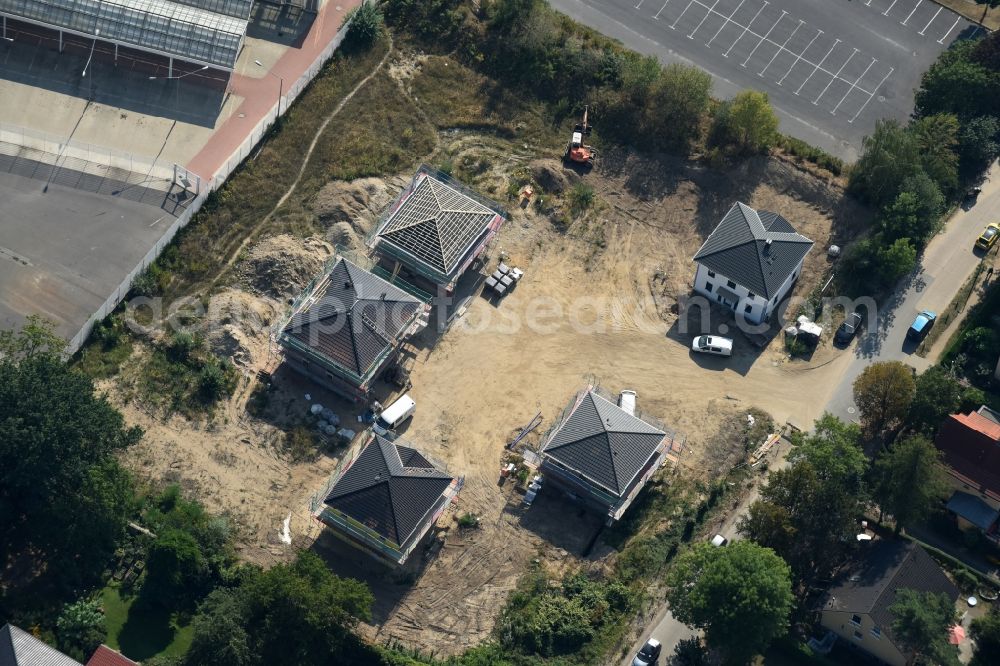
937	138
748	122
908	480
907	217
176	570
959	85
921	622
677	104
889	156
740	595
806	519
834	450
938	394
985	631
979	141
80	628
63	496
297	613
883	393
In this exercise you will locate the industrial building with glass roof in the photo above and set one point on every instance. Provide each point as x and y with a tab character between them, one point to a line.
201	32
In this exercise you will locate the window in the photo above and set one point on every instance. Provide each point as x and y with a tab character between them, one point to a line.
711	274
751	295
748	309
876	632
856	619
708	287
859	636
732	285
774	300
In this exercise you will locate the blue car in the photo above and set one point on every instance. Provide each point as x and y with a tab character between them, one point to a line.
921	325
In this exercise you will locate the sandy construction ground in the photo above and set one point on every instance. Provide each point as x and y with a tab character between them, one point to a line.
596	305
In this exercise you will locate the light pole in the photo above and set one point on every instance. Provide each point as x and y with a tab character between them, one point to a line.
168	78
97	33
281	85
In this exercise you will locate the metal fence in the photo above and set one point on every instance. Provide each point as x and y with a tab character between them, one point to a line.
176	174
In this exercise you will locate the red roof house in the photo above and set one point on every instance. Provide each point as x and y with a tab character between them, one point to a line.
105	656
971	447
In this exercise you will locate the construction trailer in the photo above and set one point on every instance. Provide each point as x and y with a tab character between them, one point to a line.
433	232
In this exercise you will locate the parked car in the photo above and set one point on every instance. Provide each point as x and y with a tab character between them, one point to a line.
921	325
533	488
712	344
626	400
989	237
393	415
719	541
649	655
849	328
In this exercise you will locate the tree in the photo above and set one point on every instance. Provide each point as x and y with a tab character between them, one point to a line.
957	84
883	393
921	622
908	480
36	337
748	122
987	6
297	613
930	201
938	393
740	595
978	142
985	632
905	218
805	519
63	496
175	568
678	102
80	628
897	260
889	156
834	451
689	652
937	138
366	25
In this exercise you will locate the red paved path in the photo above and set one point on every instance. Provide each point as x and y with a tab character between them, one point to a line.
260	94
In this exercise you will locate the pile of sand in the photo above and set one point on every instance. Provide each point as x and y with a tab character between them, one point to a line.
281	266
552	176
237	326
349	210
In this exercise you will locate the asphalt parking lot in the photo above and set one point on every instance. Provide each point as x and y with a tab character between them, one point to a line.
830	67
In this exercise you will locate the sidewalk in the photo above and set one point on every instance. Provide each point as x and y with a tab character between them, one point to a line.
260	95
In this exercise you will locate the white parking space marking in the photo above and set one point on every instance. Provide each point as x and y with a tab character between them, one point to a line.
835	77
886	13
783	14
799	57
945	36
725	22
931	21
910	15
853	86
707	14
816	67
872	94
780	50
640	4
657	15
674	26
746	28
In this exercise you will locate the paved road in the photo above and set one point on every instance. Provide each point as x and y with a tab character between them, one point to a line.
830	67
947	263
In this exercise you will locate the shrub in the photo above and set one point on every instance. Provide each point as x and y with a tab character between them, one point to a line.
581	198
366	26
81	628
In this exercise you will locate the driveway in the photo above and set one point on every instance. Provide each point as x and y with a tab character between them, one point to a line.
830	67
947	263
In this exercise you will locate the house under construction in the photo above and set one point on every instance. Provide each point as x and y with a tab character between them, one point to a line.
434	230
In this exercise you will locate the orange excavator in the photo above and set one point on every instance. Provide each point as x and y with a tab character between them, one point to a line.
577	151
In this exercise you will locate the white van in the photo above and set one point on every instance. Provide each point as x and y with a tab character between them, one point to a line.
712	344
394	414
626	400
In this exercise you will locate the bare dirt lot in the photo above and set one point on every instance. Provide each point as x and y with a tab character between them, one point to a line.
597	304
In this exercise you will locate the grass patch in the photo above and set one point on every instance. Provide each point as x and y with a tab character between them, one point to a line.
140	631
110	346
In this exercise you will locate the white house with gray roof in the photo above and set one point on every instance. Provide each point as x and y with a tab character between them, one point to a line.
750	262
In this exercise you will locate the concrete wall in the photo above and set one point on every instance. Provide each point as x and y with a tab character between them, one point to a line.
754	307
861	636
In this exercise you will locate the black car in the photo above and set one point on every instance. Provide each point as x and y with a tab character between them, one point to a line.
849	328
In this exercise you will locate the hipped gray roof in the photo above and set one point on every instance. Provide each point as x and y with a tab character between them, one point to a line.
19	648
355	319
758	250
437	224
390	488
605	443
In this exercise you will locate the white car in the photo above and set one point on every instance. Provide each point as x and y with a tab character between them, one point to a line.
626	400
712	344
